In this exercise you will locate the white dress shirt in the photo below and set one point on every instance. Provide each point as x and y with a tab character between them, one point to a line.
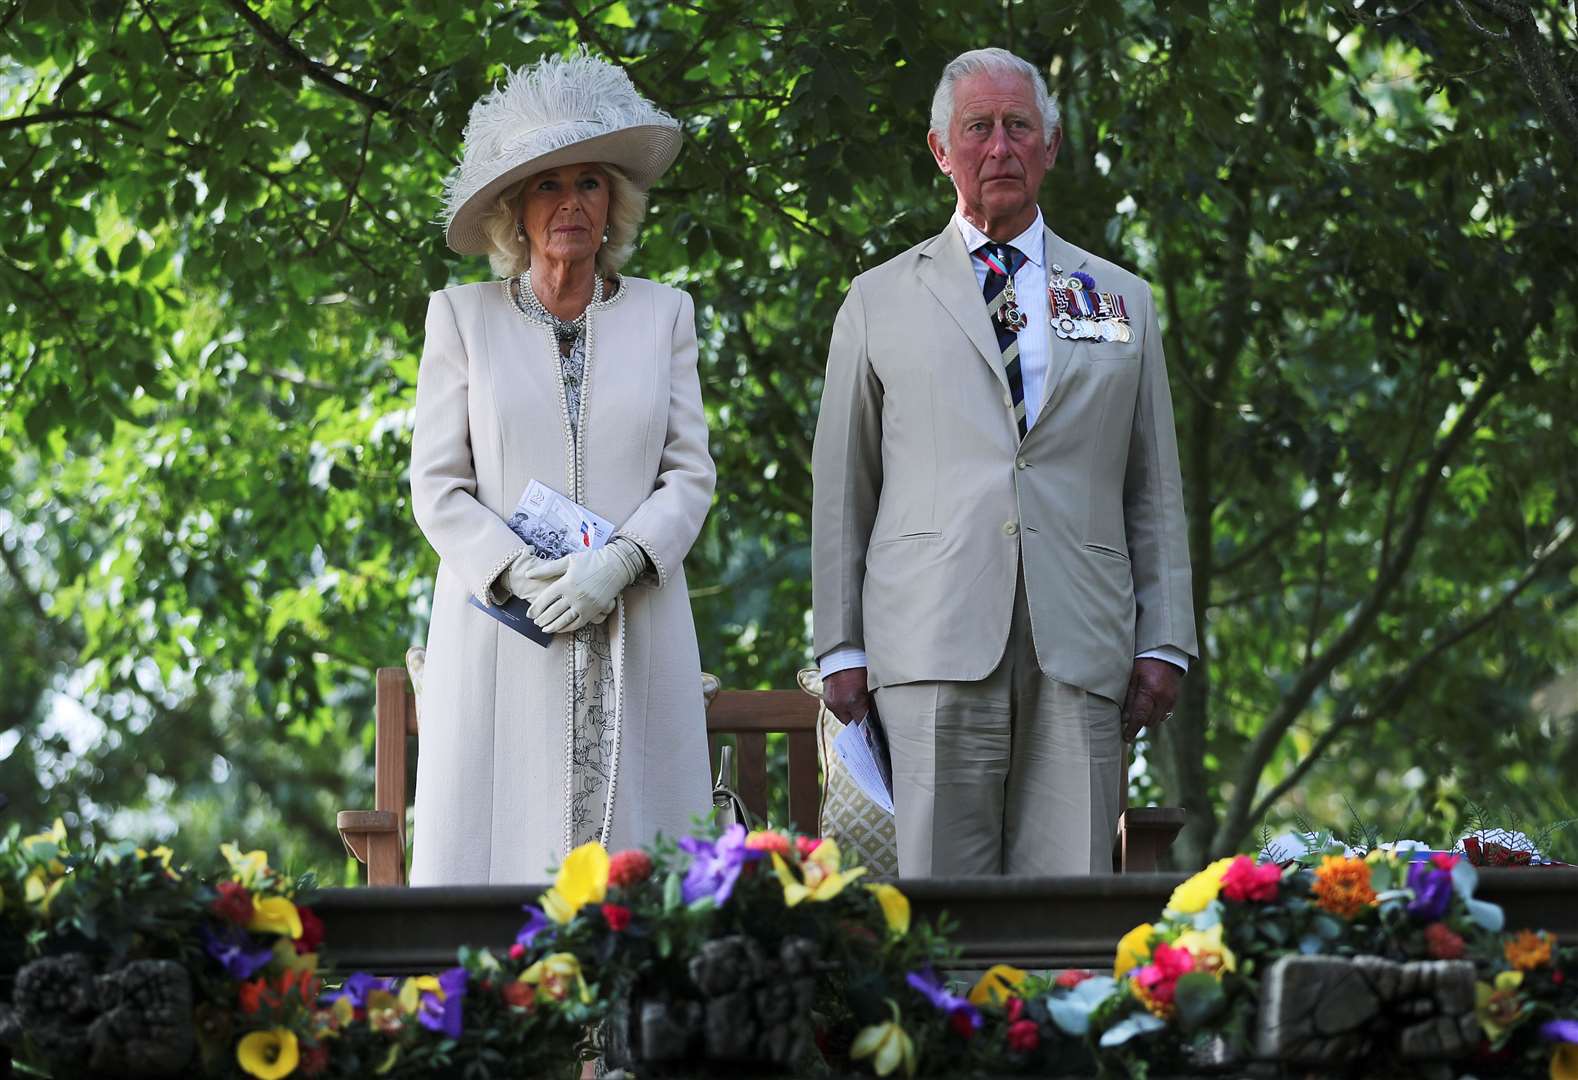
1035	353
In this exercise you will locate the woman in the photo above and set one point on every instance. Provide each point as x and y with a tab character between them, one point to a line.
567	373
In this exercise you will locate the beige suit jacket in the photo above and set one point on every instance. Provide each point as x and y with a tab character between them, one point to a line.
926	501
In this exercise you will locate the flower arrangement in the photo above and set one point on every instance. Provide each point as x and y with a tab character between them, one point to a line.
1190	985
724	953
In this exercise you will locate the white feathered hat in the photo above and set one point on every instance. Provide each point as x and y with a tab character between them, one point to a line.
559	111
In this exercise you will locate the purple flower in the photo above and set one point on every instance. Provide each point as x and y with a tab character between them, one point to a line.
961	1014
357	987
443	1015
1563	1031
1432	888
715	865
1084	279
536	923
236	949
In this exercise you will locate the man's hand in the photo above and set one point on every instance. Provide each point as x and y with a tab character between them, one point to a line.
845	694
1153	691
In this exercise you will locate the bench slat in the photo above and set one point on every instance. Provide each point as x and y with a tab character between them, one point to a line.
762	710
751	753
805	789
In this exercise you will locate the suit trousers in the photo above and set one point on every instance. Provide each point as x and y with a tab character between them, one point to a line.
1015	773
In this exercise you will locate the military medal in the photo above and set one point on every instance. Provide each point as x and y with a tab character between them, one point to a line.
1009	315
1080	313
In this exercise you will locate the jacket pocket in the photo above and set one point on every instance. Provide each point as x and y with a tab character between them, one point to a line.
1111	553
931	534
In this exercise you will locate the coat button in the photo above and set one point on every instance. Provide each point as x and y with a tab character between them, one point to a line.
1008	399
1021	463
1010	528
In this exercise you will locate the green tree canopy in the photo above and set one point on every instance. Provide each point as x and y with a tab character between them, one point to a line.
1360	221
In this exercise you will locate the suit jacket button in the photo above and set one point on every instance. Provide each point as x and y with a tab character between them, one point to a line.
1010	528
1008	399
1021	463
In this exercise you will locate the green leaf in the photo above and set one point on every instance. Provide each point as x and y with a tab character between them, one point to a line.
1199	998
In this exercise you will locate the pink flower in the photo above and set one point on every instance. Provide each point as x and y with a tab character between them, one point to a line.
1071	978
517	951
1246	880
1160	977
807	844
766	840
1023	1036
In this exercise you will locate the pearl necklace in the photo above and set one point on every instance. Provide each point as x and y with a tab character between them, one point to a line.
565	330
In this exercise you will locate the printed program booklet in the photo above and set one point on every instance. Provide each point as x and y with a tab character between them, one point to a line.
863	748
552	525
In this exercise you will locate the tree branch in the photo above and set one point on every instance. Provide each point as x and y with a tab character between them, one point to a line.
1401	684
1315	673
309	67
57	116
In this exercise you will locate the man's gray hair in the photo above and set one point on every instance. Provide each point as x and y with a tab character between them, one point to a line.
998	62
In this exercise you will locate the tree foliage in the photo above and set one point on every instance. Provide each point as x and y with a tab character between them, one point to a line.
1359	220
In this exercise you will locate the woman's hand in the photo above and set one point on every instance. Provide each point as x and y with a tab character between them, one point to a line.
581	588
518	577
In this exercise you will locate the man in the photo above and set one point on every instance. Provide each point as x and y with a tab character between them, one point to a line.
999	548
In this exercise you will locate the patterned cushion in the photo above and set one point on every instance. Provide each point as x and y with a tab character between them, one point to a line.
863	829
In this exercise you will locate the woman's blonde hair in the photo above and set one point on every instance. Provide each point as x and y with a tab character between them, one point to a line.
511	254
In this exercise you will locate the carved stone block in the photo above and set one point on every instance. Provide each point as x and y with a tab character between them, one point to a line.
1329	1011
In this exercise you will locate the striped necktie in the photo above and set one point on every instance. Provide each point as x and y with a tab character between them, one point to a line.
1003	261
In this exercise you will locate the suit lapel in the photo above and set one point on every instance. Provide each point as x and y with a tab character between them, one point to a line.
945	270
1060	253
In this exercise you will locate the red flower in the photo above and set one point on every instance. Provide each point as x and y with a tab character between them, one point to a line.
807	844
249	995
963	1022
1558	977
315	1060
518	995
1245	880
1070	979
1015	1008
1160	977
627	868
517	951
234	904
311	931
617	916
1023	1036
1442	943
1444	860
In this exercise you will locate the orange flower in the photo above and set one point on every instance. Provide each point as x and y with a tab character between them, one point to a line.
1528	949
1342	886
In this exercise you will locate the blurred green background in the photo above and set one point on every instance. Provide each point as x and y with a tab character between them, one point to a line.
1360	221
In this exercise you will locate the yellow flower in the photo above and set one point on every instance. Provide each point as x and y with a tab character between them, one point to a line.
1211	954
886	1044
582	880
164	855
555	973
55	837
247	868
275	915
39	891
288	959
895	908
1194	894
820	869
1342	886
997	985
269	1055
1564	1063
1528	949
1134	948
1499	1006
412	989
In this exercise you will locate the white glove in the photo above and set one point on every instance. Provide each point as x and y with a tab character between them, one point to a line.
516	579
582	588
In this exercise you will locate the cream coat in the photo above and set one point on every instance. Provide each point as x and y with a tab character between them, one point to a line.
490	417
927	503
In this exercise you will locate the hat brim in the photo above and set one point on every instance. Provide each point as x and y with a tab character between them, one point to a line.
642	152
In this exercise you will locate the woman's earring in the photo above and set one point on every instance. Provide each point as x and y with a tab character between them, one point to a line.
520	232
605	236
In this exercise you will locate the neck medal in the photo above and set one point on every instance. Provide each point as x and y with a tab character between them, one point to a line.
1080	313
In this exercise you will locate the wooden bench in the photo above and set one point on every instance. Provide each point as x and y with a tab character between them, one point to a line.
377	836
